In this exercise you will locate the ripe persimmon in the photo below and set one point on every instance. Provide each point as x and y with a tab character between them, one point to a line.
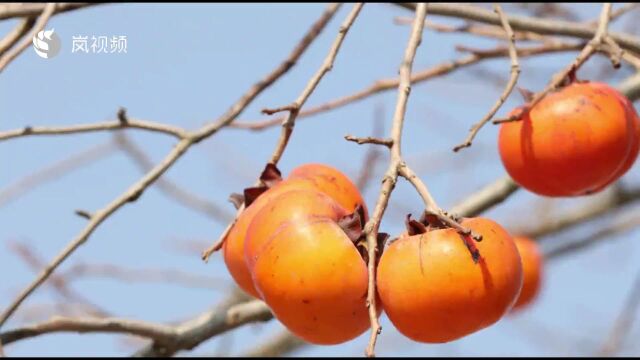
307	268
432	289
635	147
532	264
574	142
332	182
311	176
287	207
233	247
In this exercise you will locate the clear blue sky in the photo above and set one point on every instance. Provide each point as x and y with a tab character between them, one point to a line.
185	64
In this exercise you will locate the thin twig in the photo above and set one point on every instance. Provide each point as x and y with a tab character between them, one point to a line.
13	52
526	23
515	72
490	31
13	10
418	77
16	34
136	190
327	65
373	153
294	109
158	332
559	78
101	126
391	175
369	140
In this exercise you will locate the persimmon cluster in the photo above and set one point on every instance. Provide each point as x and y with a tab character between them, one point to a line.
299	244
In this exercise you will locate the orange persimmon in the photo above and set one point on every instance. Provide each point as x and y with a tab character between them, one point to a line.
432	289
233	247
310	176
332	182
575	141
532	264
307	268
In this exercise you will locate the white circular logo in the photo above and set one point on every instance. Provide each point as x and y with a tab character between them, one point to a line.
46	44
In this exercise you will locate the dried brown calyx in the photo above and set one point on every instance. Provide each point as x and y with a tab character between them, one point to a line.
269	177
353	225
429	222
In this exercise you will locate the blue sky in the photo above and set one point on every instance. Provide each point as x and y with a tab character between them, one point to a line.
185	64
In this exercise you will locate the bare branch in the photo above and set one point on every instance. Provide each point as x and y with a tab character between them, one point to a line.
421	76
490	31
13	52
136	190
327	65
294	109
525	23
12	10
229	315
158	332
373	153
391	175
559	78
101	126
16	34
485	198
515	72
369	140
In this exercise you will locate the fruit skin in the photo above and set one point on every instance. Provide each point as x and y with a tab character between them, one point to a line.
332	182
309	176
287	207
432	290
234	244
635	147
573	142
532	265
310	273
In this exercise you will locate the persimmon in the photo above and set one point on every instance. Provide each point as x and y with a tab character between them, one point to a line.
307	268
635	147
332	182
432	289
574	142
287	207
532	264
233	247
311	176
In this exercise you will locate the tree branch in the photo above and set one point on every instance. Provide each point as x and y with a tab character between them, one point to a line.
13	52
515	72
525	23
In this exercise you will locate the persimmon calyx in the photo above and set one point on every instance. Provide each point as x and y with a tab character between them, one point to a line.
430	222
271	175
